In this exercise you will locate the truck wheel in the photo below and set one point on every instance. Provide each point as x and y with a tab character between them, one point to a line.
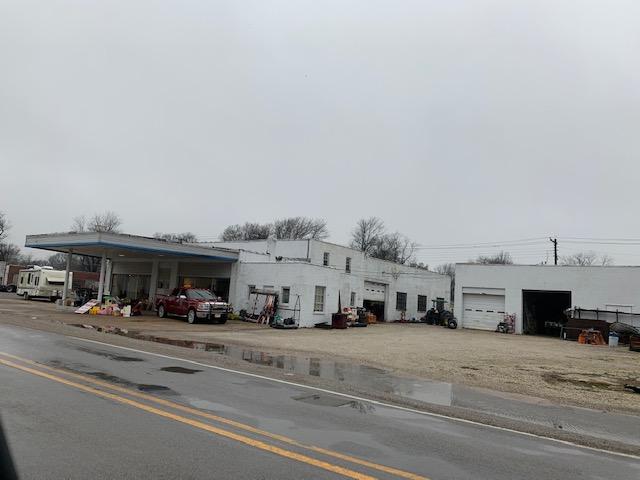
191	316
25	295
161	311
223	319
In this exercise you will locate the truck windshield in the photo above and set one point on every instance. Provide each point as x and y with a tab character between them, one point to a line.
200	295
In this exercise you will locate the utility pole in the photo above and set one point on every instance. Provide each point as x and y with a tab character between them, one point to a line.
555	250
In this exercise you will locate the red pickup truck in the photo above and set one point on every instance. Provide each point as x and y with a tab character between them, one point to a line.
193	304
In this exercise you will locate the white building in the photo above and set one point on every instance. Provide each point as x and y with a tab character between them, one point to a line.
540	293
317	271
314	271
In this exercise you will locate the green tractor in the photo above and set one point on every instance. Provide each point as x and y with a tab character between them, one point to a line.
439	315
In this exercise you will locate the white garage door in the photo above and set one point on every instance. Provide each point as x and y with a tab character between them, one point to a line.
481	311
374	291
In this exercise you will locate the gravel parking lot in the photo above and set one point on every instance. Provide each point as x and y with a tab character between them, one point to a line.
582	375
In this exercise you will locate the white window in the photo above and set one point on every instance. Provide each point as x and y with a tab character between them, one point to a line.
353	299
318	301
325	259
347	265
286	293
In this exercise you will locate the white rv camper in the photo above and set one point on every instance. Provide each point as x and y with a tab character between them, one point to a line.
42	282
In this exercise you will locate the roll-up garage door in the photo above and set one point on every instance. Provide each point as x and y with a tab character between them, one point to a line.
481	311
374	291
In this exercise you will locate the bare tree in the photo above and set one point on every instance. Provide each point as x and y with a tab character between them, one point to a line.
98	222
29	260
231	233
248	231
257	231
406	250
58	261
367	234
449	269
420	265
500	258
394	247
79	224
606	260
9	253
300	228
586	259
184	237
4	226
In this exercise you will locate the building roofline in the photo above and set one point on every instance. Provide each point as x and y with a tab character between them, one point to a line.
421	270
63	242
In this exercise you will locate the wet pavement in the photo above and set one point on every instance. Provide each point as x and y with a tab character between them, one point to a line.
594	423
54	429
370	378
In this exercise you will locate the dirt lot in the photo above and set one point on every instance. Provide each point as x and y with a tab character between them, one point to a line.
557	370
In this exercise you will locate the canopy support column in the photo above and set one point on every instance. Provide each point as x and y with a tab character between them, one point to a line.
65	288
107	279
173	279
153	282
103	269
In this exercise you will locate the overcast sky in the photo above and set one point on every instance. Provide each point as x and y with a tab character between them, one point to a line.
454	121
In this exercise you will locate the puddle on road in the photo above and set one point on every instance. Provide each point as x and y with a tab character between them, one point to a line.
106	377
323	400
180	370
370	378
145	387
111	356
335	401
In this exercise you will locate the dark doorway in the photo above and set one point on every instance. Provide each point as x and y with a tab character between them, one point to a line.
543	311
376	307
222	288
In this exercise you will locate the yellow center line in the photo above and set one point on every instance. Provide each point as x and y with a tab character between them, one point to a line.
193	411
194	423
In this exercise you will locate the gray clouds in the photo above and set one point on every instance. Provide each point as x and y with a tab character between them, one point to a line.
455	121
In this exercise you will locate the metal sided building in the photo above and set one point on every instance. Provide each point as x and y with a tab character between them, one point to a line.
538	295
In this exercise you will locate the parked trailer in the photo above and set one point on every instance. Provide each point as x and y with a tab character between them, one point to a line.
42	282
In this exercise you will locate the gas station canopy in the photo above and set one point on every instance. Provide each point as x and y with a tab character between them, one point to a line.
114	245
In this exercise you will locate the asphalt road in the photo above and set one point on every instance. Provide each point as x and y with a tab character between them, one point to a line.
74	408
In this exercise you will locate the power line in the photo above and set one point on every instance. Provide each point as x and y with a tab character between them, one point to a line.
589	242
523	241
603	239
